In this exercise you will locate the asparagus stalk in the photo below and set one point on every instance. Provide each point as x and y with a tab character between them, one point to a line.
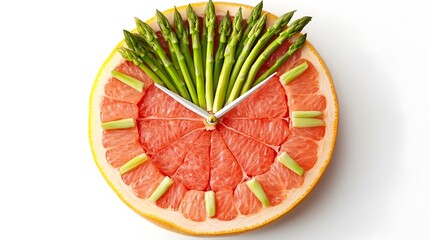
132	56
209	20
171	38
251	38
278	25
149	35
204	39
182	35
254	15
194	28
224	31
292	49
228	62
293	29
134	42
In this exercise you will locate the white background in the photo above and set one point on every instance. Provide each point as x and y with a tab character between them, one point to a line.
376	186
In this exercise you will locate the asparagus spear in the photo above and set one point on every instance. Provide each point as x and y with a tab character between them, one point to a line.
182	35
251	37
196	46
209	20
132	56
293	29
228	62
224	31
204	40
254	15
149	35
292	49
278	25
171	38
135	43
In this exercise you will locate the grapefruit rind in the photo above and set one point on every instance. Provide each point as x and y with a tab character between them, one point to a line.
173	220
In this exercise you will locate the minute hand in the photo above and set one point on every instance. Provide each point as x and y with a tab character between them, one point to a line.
189	105
234	103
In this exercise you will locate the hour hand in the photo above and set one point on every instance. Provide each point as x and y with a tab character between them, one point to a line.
189	105
234	103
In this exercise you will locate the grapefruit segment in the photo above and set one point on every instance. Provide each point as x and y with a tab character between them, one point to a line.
313	133
245	200
169	158
194	172
254	157
273	186
267	102
302	150
144	179
155	103
111	110
116	137
121	154
117	90
192	206
306	102
225	172
307	82
134	71
225	205
156	134
269	131
173	196
287	176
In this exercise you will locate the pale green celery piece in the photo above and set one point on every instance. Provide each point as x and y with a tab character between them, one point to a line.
307	122
133	163
119	124
290	75
161	189
258	191
130	81
306	114
288	162
210	202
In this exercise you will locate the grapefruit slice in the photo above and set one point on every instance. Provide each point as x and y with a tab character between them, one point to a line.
242	147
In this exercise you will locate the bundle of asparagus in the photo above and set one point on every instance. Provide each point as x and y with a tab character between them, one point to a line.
207	78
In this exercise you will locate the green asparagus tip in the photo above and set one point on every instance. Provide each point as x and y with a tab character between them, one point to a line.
256	11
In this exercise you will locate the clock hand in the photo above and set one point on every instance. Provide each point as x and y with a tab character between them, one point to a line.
234	103
189	105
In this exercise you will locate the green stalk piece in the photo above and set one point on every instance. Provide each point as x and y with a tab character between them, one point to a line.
204	39
251	38
307	122
210	19
133	163
293	29
228	63
137	44
150	37
224	31
171	38
161	189
258	191
210	203
292	49
290	75
119	124
182	33
132	56
253	17
278	25
306	114
290	163
194	28
128	80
